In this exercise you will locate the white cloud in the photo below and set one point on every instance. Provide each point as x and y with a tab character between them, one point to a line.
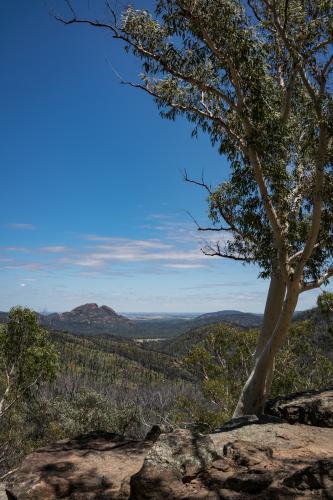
108	253
16	249
184	266
20	225
31	266
114	241
53	249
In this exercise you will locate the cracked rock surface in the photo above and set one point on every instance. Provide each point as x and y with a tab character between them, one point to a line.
248	459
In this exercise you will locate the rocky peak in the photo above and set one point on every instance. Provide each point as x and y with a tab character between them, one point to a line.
92	309
108	310
85	308
87	318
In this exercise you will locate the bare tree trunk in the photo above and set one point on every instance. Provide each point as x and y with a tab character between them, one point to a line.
273	308
254	393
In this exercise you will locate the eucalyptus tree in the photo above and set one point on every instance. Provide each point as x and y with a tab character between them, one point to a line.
27	357
256	76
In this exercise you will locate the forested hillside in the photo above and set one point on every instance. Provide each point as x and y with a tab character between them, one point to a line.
126	386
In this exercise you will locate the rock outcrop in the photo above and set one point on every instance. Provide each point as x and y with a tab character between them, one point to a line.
311	408
94	466
246	459
263	461
87	318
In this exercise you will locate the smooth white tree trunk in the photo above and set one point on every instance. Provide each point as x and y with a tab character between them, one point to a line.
273	308
256	388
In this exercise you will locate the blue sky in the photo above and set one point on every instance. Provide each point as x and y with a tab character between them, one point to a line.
93	206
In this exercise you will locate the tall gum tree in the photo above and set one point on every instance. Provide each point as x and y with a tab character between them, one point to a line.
256	75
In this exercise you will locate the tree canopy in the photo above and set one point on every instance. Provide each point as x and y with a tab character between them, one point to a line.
256	76
27	357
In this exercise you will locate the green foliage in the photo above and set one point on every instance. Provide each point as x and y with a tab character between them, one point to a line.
101	384
325	303
256	77
27	357
223	361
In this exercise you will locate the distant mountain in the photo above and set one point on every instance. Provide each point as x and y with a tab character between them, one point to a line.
90	319
3	317
87	318
238	318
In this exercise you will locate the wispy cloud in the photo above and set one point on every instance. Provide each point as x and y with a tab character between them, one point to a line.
53	249
21	225
30	266
114	241
16	249
184	266
104	253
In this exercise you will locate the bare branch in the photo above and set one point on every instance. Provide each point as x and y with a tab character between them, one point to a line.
216	251
188	109
197	183
69	5
200	228
254	10
224	215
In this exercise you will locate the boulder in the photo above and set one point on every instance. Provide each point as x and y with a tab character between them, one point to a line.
172	464
310	408
93	466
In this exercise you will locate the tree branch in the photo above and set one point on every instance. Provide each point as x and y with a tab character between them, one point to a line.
186	108
317	201
200	228
222	212
311	285
218	252
120	34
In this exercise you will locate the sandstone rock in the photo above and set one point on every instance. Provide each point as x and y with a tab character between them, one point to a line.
252	458
313	477
171	465
93	466
311	408
261	461
277	461
246	453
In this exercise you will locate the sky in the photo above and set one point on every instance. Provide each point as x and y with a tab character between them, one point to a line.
93	204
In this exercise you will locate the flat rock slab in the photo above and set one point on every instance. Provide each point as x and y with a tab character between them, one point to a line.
94	466
256	461
261	461
295	442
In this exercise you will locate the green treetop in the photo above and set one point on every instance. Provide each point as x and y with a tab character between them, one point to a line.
256	76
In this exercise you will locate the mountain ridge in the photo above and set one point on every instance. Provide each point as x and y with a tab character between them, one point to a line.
91	319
